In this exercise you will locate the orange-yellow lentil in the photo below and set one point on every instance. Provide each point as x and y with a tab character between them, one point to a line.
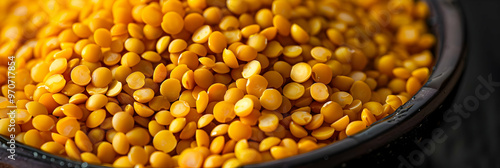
165	141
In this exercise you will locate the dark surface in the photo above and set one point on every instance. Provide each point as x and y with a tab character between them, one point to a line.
475	142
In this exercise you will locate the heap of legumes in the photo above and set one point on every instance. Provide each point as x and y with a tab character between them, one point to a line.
205	83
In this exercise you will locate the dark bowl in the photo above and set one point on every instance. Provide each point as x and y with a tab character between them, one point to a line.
445	22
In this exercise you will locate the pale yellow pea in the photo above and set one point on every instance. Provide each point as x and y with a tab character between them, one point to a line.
251	68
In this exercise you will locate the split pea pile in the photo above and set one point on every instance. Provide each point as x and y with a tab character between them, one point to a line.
206	83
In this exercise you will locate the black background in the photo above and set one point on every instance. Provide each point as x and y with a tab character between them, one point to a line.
476	140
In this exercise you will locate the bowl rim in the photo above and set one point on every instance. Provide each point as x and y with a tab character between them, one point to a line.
447	23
